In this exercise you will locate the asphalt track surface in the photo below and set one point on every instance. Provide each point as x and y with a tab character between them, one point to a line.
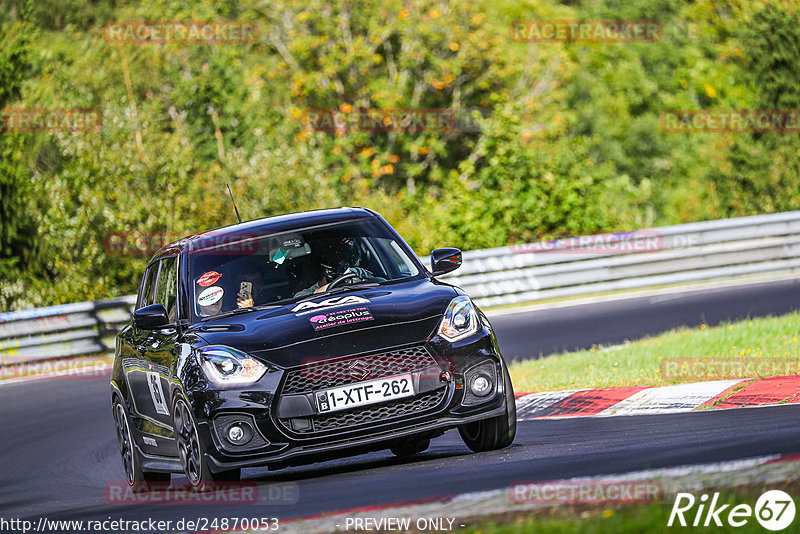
58	450
531	335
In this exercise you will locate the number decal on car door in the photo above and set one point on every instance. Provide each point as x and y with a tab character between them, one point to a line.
157	393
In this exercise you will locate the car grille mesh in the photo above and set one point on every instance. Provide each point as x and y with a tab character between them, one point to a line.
316	375
371	414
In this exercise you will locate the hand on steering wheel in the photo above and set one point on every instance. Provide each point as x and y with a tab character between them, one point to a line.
350	273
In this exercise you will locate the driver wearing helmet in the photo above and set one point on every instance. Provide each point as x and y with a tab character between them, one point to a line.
337	258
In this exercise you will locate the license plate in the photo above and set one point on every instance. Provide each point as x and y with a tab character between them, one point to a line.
363	393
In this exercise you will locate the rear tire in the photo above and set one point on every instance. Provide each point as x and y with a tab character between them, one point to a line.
496	432
191	453
138	479
410	447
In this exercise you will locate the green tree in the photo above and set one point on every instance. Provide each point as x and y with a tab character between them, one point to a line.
764	171
17	229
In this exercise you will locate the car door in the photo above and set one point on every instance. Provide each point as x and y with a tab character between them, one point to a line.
160	344
131	337
134	348
145	371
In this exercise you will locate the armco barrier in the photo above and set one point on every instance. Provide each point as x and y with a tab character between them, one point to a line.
712	250
62	331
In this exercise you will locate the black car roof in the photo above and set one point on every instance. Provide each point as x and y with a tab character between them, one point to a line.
267	225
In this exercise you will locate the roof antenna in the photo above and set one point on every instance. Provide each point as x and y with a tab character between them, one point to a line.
234	204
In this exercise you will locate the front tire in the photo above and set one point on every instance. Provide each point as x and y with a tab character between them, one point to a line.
191	453
496	432
137	479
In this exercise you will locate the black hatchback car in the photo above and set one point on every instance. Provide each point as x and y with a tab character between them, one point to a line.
296	339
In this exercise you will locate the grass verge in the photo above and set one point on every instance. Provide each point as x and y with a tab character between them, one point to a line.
610	519
751	348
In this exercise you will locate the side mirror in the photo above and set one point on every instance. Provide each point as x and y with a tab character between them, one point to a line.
151	317
445	260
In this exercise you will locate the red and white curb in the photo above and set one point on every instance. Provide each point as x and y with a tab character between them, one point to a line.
465	509
605	402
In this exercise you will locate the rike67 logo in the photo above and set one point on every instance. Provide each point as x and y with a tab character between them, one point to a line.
774	510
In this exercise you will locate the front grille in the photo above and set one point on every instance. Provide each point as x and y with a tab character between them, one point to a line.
370	414
317	375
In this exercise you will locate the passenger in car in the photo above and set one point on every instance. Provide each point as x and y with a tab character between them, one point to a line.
251	276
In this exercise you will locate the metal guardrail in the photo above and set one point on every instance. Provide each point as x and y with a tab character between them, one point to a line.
712	250
62	331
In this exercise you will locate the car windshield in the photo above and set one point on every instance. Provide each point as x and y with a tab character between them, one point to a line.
275	269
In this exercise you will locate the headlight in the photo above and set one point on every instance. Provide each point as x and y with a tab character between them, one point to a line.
226	366
460	320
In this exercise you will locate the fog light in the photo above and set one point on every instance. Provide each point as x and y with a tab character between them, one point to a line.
480	385
236	434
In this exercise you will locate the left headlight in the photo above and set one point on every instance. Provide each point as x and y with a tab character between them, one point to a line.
226	366
460	319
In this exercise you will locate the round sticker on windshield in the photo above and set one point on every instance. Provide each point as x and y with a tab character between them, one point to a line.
208	278
210	296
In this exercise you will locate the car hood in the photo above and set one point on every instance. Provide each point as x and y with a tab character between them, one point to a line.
336	325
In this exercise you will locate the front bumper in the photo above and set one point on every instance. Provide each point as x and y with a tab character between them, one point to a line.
277	443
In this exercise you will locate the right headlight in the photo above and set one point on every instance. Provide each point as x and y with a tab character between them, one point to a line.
226	366
460	319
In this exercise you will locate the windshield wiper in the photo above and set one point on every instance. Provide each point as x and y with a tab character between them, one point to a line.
237	311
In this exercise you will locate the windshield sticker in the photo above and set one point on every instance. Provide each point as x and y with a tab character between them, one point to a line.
294	242
338	318
280	256
330	303
210	296
208	278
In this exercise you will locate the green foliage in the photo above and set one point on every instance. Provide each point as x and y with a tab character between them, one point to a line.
772	48
17	229
764	171
57	14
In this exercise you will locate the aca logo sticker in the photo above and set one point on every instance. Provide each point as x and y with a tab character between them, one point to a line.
352	315
330	303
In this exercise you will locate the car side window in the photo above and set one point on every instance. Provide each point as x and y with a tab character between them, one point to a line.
147	291
167	291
